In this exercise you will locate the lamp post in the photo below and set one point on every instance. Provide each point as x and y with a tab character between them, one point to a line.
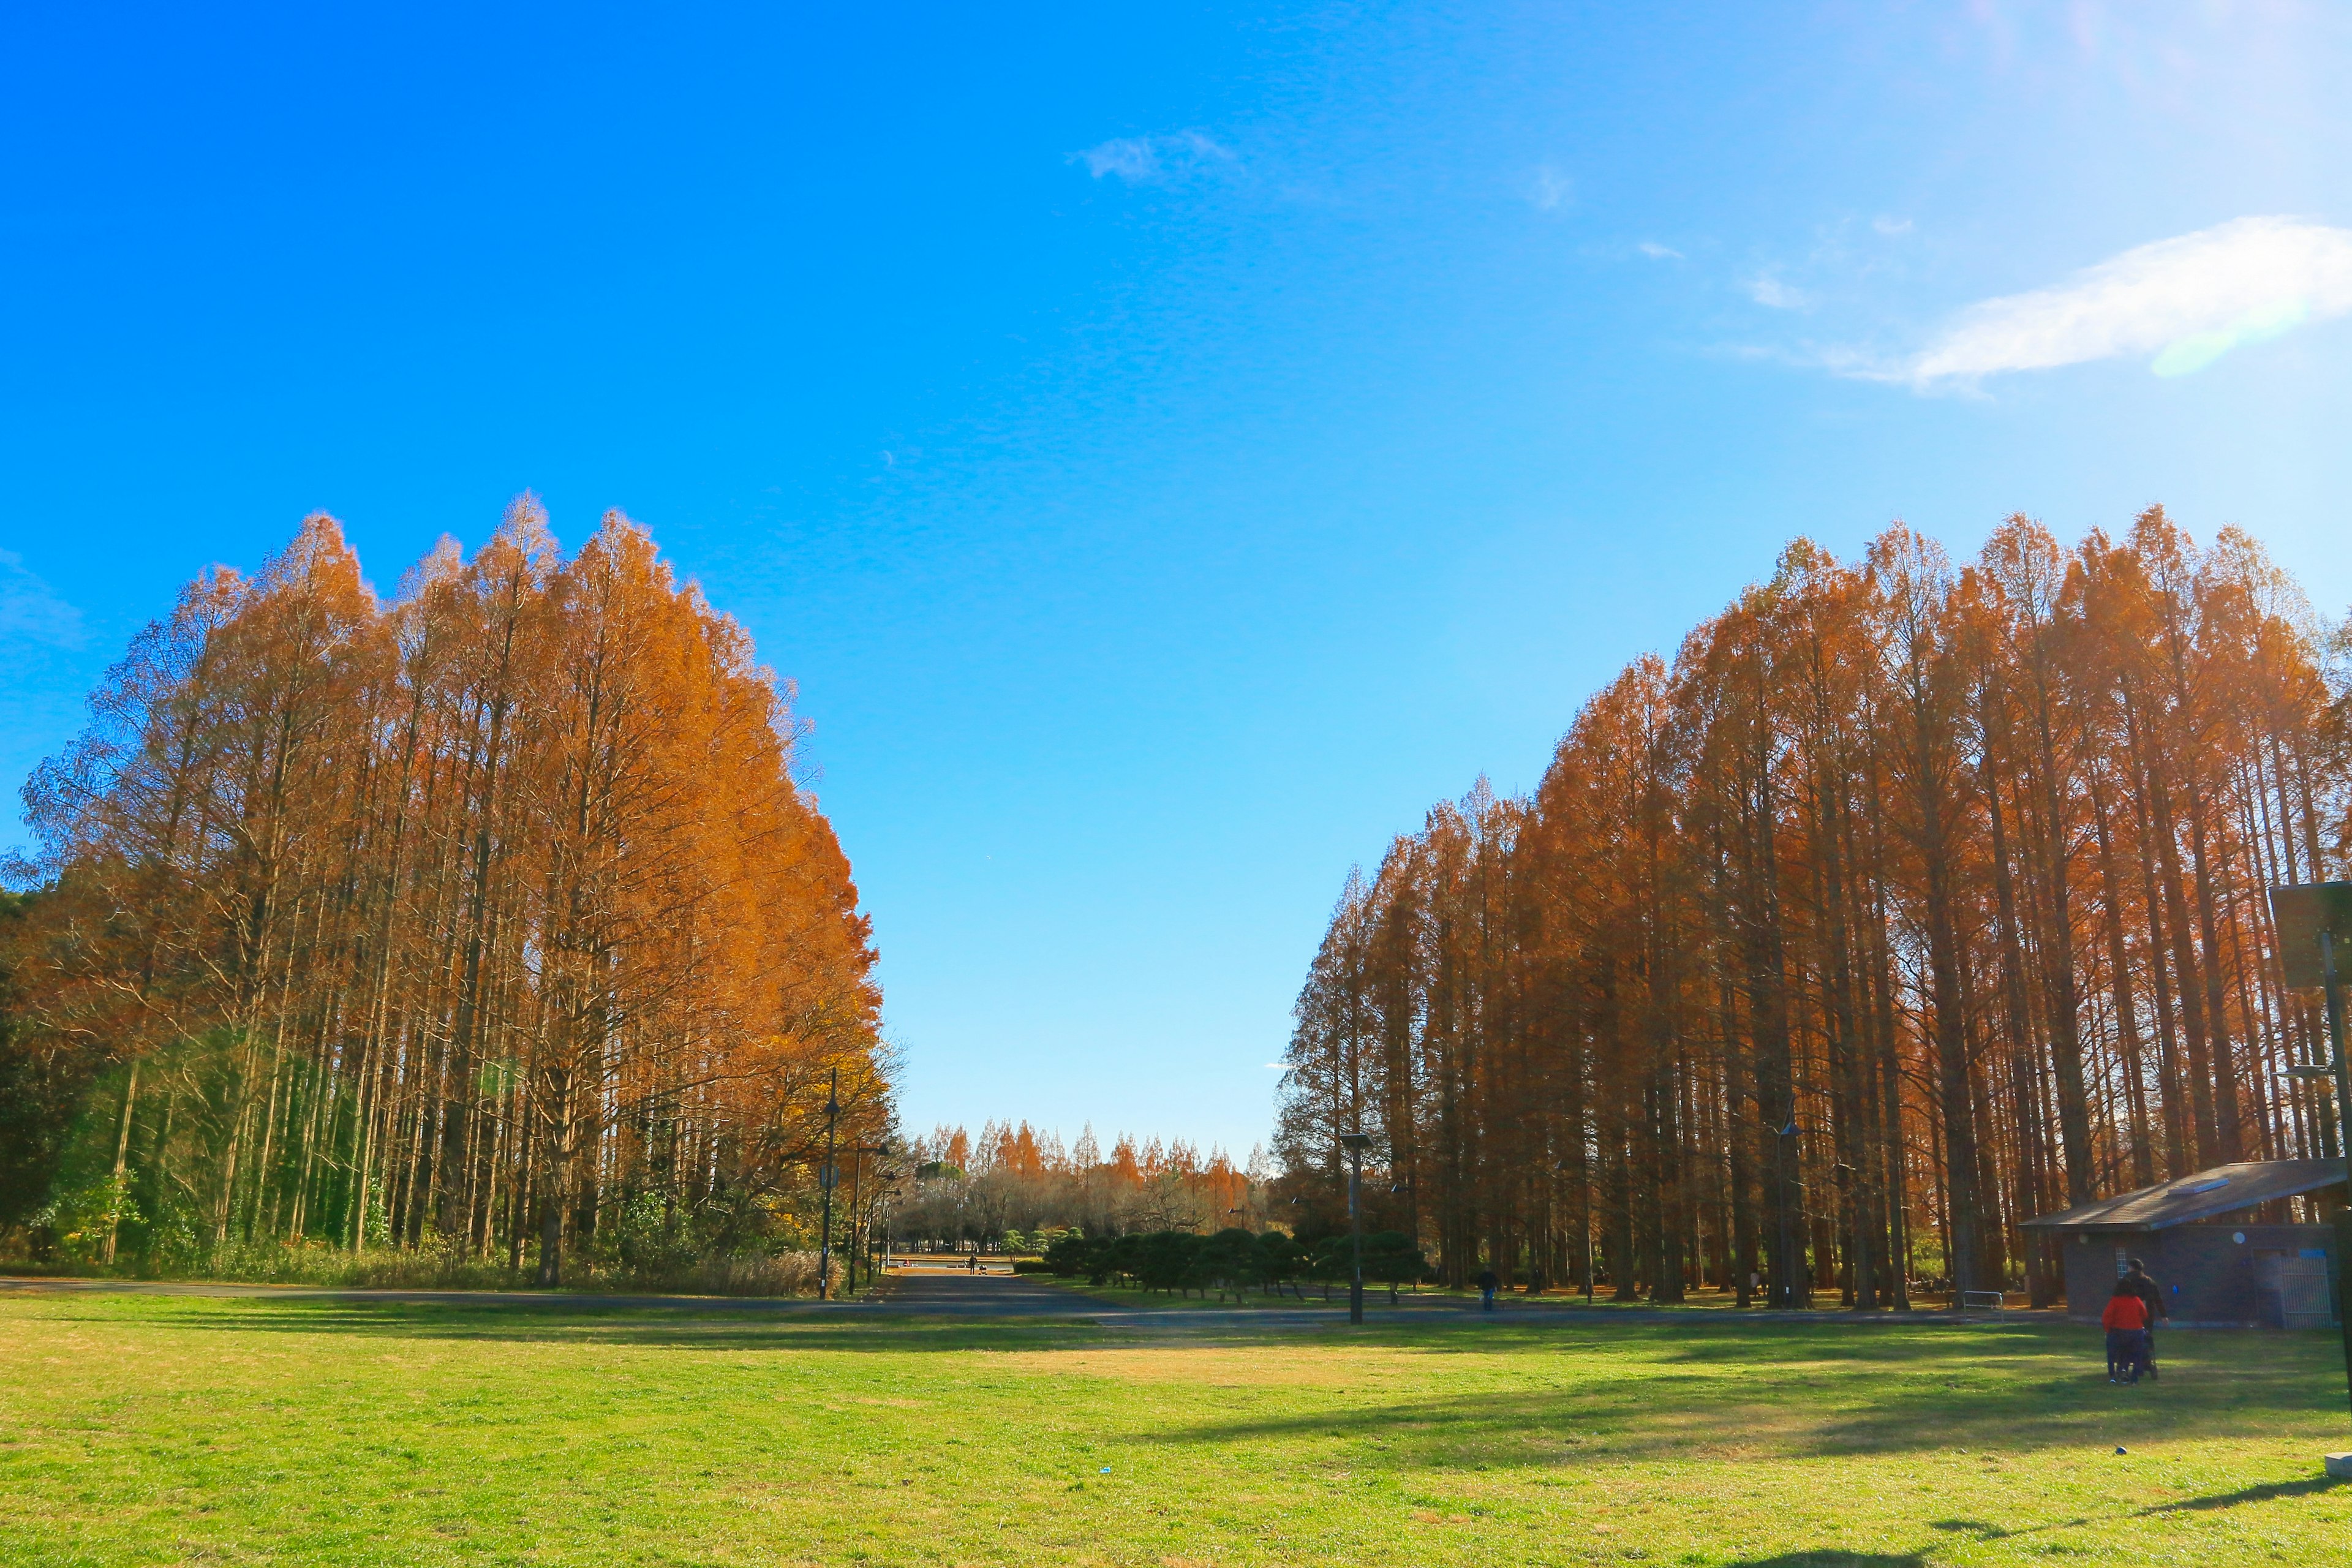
1355	1143
1784	1281
2311	919
858	1230
827	1174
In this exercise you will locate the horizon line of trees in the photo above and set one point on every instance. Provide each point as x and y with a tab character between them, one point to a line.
1013	1180
490	920
1908	901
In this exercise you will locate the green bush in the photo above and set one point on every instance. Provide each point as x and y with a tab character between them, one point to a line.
1071	1254
1228	1261
1392	1257
1280	1260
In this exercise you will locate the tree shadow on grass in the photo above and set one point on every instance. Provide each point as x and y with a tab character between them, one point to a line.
1544	1397
559	1323
1678	1403
1832	1557
2245	1495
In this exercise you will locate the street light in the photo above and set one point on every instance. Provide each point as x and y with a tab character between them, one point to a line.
827	1175
884	1150
1784	1284
2311	919
1355	1143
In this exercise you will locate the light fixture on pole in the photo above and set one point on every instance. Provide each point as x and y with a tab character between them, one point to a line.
1355	1143
2314	920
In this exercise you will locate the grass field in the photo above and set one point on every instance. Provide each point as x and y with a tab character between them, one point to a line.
154	1431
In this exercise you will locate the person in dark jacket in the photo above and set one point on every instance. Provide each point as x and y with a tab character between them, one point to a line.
2135	1279
1487	1286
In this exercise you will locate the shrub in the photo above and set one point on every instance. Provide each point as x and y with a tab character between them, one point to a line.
1278	1259
1228	1261
1074	1255
1393	1256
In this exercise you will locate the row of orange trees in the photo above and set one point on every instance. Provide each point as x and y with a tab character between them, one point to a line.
477	920
1014	1182
1908	901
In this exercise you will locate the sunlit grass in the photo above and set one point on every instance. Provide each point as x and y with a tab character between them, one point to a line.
144	1431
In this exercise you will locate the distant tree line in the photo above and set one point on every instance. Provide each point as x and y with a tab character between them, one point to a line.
486	921
1908	901
1011	1185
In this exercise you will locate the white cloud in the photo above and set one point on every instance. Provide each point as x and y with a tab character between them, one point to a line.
1656	252
30	609
1140	160
2186	301
1770	290
1549	189
1891	227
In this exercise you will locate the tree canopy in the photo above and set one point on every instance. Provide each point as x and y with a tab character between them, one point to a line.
1907	902
472	918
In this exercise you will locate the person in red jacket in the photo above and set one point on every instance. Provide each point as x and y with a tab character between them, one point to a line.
2126	1321
2137	1279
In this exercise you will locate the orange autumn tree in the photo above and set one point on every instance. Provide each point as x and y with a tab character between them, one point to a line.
1910	900
488	919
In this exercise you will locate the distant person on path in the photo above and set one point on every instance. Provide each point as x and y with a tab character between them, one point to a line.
1487	1286
972	1264
2147	1290
2126	1321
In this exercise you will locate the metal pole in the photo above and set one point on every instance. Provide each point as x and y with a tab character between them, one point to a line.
1784	1284
2335	992
1356	1236
824	1180
856	1188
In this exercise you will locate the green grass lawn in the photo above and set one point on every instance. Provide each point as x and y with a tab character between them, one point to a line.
154	1431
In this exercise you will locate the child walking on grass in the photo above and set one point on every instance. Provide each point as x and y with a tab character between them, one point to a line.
2126	1320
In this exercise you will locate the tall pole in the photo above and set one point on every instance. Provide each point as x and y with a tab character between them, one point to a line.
1784	1284
1587	1185
856	1188
1355	1143
825	1179
1355	1236
2334	990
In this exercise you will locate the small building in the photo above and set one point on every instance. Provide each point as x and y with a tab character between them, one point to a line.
2203	1240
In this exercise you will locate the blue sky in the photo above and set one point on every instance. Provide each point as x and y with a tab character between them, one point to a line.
1169	449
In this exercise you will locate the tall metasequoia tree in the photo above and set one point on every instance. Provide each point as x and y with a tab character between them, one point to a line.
467	919
1911	899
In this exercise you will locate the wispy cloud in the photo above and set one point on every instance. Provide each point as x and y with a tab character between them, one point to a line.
1142	160
1656	252
1771	291
2185	301
1549	189
30	609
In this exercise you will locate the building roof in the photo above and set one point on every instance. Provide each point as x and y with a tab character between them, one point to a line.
2222	1189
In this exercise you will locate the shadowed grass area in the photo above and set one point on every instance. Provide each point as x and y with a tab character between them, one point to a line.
148	1431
